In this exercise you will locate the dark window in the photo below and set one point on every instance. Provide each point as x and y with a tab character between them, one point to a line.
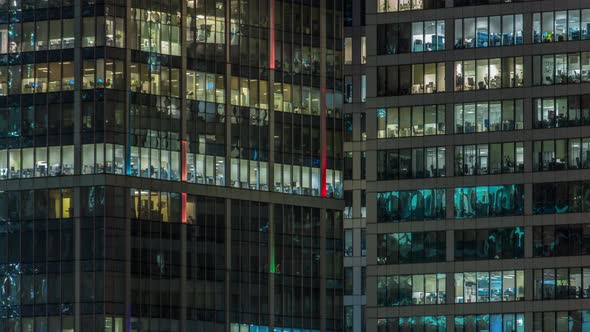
484	244
407	248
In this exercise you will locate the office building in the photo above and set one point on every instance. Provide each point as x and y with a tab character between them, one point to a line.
170	165
477	181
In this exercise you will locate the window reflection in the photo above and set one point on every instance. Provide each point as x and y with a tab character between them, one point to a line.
561	197
36	36
492	201
398	38
561	240
206	143
495	322
486	244
407	248
411	205
416	323
155	31
562	320
411	79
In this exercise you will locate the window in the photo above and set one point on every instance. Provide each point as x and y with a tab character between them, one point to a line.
40	161
483	159
416	323
489	201
562	320
53	76
489	74
363	50
348	91
411	205
166	206
496	286
102	74
156	80
396	38
411	163
489	116
485	244
553	69
108	158
202	86
348	127
495	322
561	240
408	248
363	88
411	79
406	121
36	36
348	13
348	317
348	162
363	281
417	289
363	126
363	244
348	50
384	6
489	31
460	3
348	203
552	155
154	31
560	26
348	281
561	111
561	197
348	243
563	283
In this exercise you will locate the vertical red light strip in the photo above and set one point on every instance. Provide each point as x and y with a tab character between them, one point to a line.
183	208
324	162
183	170
271	56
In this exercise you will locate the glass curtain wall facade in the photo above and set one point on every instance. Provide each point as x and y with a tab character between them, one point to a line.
476	145
171	165
355	133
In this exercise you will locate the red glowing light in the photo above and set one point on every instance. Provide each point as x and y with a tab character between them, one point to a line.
183	170
271	59
183	208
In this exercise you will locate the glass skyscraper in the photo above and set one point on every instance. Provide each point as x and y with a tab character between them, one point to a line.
171	165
